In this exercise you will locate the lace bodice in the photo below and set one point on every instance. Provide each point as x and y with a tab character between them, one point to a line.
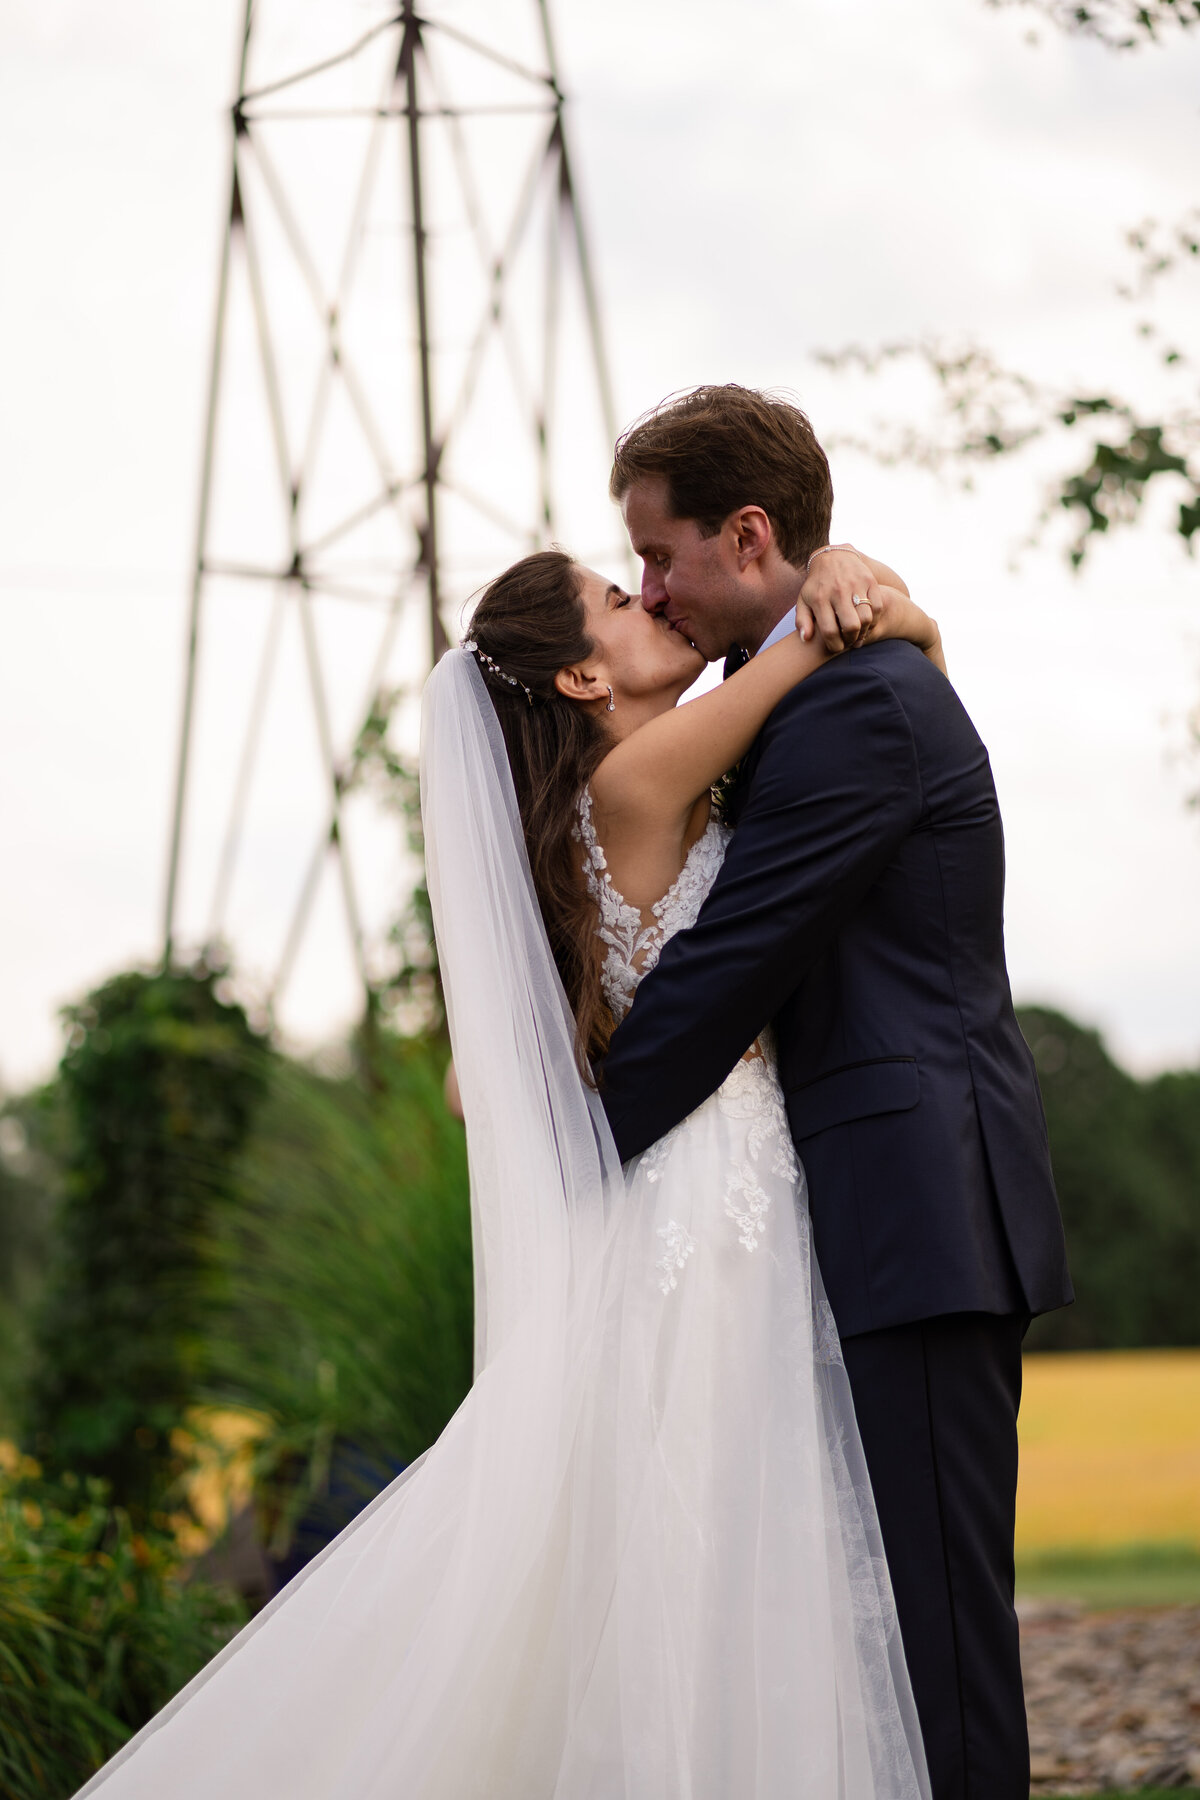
633	940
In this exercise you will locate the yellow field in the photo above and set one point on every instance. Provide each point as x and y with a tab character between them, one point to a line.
1110	1450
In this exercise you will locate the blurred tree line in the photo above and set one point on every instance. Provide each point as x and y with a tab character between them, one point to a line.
1127	1164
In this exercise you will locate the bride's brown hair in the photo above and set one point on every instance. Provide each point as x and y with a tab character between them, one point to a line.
531	622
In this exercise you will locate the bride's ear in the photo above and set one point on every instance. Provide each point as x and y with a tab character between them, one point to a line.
575	684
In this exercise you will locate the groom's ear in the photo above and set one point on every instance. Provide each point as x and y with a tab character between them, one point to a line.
752	534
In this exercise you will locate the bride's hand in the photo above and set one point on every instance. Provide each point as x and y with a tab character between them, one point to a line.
840	598
899	616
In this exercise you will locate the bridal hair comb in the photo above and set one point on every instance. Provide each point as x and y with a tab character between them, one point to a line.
494	666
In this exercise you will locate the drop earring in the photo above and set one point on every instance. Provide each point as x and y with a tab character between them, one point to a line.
612	705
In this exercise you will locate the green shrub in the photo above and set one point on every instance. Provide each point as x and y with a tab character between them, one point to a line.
159	1084
97	1630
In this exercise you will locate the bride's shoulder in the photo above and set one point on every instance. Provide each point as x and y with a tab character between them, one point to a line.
611	796
625	796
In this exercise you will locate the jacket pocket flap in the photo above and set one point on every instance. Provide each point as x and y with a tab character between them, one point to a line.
890	1085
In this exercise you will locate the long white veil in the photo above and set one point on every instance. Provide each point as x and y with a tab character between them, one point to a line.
544	1168
421	1600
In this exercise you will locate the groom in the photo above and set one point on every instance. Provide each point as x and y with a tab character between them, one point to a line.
859	911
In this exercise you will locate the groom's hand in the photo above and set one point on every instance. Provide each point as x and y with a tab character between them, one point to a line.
840	598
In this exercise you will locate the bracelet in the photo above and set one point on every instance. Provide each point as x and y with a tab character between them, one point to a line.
824	551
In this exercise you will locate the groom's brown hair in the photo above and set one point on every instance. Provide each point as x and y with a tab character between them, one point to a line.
721	448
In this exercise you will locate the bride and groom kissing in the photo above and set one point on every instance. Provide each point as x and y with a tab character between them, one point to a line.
860	908
762	1206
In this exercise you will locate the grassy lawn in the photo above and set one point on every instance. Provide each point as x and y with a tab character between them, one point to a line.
1125	1575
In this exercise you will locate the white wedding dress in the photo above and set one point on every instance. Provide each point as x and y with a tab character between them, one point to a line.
642	1562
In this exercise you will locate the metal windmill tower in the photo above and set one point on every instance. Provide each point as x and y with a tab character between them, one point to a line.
408	389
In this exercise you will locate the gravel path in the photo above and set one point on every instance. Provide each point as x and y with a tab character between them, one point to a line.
1113	1698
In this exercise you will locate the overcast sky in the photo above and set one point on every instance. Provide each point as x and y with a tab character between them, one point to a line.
761	181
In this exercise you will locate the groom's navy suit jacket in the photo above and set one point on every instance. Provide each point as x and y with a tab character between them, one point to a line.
860	909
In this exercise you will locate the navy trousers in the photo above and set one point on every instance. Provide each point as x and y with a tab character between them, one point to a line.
937	1408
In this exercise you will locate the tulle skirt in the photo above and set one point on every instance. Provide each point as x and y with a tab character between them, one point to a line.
641	1563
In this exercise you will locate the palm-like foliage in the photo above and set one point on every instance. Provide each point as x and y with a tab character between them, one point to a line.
346	1269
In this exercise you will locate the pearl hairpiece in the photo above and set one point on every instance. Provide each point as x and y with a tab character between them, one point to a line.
494	666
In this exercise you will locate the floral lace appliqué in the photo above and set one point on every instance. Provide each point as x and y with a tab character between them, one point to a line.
633	943
678	1244
747	1204
751	1091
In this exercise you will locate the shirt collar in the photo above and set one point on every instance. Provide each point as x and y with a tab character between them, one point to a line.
785	626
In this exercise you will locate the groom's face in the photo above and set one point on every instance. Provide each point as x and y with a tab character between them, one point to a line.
692	581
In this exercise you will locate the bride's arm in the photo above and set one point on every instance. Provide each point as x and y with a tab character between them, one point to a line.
657	774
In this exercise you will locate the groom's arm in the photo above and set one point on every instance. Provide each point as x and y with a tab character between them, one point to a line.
835	791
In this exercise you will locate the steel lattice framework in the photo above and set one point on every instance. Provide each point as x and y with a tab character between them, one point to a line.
405	315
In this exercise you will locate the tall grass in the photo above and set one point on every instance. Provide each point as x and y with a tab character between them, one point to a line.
346	1280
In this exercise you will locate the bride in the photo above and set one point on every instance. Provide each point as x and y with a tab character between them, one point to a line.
641	1562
